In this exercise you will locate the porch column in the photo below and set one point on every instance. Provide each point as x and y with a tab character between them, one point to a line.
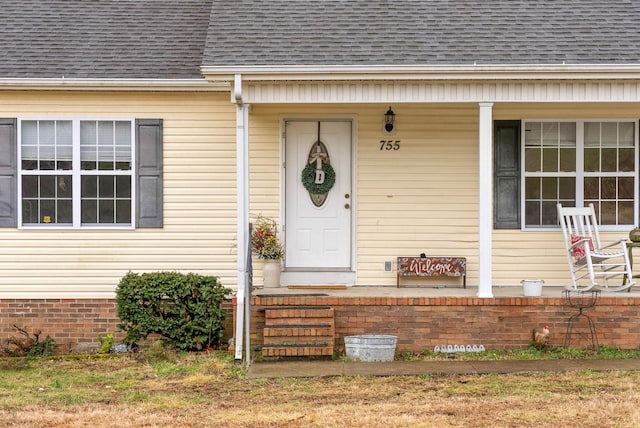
486	197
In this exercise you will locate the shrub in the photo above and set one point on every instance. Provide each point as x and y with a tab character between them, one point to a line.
182	308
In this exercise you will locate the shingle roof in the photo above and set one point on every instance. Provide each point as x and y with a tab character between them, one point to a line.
399	32
102	38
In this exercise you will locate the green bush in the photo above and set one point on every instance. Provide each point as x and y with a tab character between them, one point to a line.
185	309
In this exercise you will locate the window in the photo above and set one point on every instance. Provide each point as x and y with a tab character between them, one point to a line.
577	163
76	172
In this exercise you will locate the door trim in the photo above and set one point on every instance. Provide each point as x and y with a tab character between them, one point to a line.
294	276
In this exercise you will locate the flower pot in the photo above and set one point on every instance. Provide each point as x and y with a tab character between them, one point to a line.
271	273
634	235
532	287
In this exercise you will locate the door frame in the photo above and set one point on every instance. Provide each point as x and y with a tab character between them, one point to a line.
329	276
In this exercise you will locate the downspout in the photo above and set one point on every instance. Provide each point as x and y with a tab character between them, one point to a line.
242	191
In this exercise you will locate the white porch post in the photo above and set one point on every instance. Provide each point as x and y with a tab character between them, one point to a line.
242	190
486	197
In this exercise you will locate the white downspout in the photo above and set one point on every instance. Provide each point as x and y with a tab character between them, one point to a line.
485	246
242	178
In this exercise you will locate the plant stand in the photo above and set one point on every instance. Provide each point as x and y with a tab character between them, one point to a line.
581	327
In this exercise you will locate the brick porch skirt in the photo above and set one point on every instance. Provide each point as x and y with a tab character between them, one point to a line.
421	323
75	324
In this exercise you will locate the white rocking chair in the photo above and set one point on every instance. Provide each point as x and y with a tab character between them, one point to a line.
592	265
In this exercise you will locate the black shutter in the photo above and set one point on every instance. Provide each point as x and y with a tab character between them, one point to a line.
8	173
506	179
149	173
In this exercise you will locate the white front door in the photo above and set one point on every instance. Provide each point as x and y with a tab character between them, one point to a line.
318	226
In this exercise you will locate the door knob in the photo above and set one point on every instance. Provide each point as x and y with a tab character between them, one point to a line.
347	206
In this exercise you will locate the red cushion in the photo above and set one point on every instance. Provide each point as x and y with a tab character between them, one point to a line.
578	251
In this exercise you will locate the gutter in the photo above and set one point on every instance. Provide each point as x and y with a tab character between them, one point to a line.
425	72
114	84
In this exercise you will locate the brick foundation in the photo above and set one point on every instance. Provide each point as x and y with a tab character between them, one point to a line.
70	322
421	323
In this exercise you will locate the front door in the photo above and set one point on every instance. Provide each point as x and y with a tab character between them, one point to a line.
318	200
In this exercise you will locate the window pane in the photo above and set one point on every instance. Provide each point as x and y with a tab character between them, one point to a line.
123	212
89	187
550	133
29	186
567	134
47	211
592	160
65	211
591	188
550	188
609	188
549	213
533	134
106	212
105	187
592	134
567	188
568	160
533	159
123	186
550	160
625	213
88	145
30	210
609	134
65	185
89	211
532	188
627	161
608	214
47	186
609	160
532	213
625	188
626	134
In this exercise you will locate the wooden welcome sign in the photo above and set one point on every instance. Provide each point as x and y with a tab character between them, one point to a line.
432	267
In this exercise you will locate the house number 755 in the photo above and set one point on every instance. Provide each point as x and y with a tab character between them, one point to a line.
389	144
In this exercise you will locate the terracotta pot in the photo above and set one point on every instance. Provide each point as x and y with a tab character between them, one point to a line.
271	273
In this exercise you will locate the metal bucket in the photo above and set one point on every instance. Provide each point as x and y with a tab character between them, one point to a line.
532	287
370	348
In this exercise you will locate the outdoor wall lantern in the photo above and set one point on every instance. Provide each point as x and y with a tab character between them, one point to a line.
389	121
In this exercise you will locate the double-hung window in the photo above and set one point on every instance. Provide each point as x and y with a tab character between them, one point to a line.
76	172
577	163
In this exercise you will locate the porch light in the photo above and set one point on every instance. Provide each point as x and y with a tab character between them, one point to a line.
389	120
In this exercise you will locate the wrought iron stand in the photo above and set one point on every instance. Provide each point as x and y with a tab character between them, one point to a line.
581	327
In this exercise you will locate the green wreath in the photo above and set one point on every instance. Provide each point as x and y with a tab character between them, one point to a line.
309	178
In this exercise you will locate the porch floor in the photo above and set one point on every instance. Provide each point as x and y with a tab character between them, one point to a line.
424	291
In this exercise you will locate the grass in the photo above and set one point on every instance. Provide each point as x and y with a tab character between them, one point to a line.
159	388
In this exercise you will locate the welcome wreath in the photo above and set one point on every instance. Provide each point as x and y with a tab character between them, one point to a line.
309	178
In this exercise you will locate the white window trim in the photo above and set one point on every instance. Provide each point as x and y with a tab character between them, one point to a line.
579	174
76	174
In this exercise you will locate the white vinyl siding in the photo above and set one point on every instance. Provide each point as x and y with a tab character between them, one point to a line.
198	234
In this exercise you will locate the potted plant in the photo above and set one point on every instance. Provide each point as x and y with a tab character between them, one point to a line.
267	246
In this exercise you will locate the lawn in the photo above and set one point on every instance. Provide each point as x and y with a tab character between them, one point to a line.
158	388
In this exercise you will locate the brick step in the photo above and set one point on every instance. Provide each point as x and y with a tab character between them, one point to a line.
298	313
297	350
298	331
296	340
